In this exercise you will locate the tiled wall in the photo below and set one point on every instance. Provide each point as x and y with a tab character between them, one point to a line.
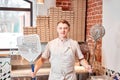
113	74
5	68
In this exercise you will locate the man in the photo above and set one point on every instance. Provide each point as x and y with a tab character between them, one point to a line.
61	53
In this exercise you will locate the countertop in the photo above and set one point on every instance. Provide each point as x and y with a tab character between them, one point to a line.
42	71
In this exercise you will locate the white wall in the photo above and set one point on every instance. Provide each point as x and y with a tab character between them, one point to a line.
42	9
111	40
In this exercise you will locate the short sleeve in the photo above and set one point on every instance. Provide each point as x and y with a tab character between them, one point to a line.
46	53
78	52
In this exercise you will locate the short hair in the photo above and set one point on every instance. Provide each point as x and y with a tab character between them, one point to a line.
64	22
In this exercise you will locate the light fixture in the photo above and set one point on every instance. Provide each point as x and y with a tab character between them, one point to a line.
40	1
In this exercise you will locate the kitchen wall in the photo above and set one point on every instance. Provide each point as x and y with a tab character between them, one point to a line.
94	16
111	40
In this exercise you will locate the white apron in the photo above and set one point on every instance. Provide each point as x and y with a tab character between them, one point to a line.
62	61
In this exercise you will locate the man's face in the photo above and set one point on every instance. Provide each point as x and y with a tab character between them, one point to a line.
63	30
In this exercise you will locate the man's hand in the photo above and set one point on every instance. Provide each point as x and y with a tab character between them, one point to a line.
33	75
88	68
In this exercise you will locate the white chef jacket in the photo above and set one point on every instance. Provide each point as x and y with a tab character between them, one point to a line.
61	55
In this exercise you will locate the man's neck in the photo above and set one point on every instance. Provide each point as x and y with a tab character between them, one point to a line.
63	39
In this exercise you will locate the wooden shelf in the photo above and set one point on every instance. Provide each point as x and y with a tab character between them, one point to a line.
4	55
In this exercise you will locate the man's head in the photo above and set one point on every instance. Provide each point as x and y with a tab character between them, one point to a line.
63	27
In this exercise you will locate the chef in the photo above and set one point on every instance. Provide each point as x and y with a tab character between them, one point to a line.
62	53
